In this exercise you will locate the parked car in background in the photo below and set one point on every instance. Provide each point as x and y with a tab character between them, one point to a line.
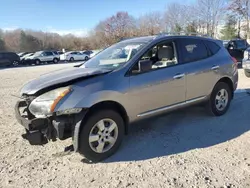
42	57
246	62
76	56
88	52
9	59
56	53
24	57
137	78
21	54
236	48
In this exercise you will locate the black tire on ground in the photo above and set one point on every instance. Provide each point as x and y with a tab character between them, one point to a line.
247	73
71	59
15	63
84	146
37	62
211	104
55	60
86	58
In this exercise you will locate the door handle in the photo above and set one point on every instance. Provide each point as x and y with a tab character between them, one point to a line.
215	67
179	76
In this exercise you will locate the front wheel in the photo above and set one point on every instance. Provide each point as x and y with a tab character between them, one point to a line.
220	99
101	135
71	59
86	58
37	62
247	73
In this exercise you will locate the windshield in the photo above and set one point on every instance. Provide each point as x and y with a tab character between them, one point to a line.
38	53
114	56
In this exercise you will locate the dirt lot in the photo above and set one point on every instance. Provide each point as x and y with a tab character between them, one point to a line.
187	148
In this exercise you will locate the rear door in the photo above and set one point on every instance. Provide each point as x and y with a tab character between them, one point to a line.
49	56
3	59
201	67
78	56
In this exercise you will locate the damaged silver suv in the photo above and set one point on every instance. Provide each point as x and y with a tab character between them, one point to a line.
94	103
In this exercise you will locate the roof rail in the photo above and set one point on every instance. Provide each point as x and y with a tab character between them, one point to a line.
185	34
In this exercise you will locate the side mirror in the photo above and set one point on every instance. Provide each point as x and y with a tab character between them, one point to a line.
144	65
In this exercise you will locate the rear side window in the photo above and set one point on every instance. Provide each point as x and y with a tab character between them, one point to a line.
212	46
48	53
193	50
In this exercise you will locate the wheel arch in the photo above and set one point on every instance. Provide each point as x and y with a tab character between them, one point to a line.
109	104
228	81
113	105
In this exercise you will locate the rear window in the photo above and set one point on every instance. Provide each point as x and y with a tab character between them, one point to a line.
193	50
212	46
240	44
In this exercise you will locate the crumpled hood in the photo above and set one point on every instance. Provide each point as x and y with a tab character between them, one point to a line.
59	77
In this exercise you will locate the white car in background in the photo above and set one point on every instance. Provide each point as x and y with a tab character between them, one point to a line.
74	56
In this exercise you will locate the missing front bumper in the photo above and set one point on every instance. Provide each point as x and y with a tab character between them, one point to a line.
40	130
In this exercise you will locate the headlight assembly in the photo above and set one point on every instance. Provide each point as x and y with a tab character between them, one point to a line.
46	103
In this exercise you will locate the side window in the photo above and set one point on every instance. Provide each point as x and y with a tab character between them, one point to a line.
212	46
193	50
49	53
159	56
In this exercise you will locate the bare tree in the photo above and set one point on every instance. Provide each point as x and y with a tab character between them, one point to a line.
209	12
151	24
175	17
242	9
12	40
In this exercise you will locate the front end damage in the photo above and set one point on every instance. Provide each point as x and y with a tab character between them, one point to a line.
40	130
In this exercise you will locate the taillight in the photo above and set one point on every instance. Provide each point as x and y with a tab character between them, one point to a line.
234	60
235	65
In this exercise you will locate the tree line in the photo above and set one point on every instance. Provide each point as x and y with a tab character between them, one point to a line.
203	16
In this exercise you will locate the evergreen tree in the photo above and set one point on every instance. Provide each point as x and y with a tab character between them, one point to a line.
229	32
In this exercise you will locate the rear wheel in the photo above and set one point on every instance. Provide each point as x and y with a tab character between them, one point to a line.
247	73
101	135
220	99
55	60
37	62
15	63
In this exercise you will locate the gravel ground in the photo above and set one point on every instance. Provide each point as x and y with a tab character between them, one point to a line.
187	148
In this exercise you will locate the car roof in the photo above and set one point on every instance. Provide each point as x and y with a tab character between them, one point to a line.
163	36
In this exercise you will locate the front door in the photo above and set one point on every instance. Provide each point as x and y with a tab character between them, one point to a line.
160	87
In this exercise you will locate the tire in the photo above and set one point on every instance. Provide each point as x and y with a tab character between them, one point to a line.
86	58
15	63
55	60
213	104
86	148
37	62
247	73
71	59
